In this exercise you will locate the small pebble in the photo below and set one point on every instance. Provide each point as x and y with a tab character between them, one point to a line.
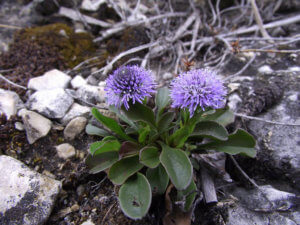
65	151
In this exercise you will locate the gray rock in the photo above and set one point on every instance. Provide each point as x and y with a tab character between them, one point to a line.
260	206
75	111
50	80
36	126
91	94
78	81
74	127
26	197
65	151
278	144
50	103
10	103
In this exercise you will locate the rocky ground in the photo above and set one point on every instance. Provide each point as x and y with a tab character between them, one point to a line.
42	127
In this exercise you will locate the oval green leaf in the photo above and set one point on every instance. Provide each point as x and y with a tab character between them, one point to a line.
128	148
126	167
101	162
240	142
149	156
158	179
211	130
140	112
135	196
93	130
165	121
111	124
99	147
177	165
221	116
162	98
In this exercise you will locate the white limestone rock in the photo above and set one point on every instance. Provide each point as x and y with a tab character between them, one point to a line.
10	102
75	111
91	5
266	69
50	103
78	81
50	80
91	94
65	151
36	126
26	197
74	127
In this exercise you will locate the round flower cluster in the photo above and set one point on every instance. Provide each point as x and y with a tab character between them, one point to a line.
129	83
197	88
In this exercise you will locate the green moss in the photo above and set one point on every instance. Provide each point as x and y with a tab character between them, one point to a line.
73	47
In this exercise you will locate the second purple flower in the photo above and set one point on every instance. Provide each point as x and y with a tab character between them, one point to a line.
197	88
129	83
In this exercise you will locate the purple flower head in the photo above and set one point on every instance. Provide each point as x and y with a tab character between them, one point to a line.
197	88
128	83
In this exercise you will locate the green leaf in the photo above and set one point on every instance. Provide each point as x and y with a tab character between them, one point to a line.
111	124
140	112
122	116
177	165
104	146
162	99
128	148
211	130
188	196
135	197
149	156
221	116
165	121
126	167
143	133
178	138
101	162
93	130
158	179
239	142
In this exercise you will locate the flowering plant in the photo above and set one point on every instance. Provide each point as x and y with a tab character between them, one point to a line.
151	146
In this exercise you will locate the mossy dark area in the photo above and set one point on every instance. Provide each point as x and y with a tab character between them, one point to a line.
39	49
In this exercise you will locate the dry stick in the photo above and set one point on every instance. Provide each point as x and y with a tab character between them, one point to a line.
108	211
208	186
109	66
253	28
122	25
259	20
242	70
9	26
12	83
266	121
271	51
243	172
77	16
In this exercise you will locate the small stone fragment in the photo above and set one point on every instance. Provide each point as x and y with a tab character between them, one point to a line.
36	126
75	111
50	103
74	127
50	80
91	94
78	81
88	222
19	126
65	151
91	5
9	103
265	69
26	197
